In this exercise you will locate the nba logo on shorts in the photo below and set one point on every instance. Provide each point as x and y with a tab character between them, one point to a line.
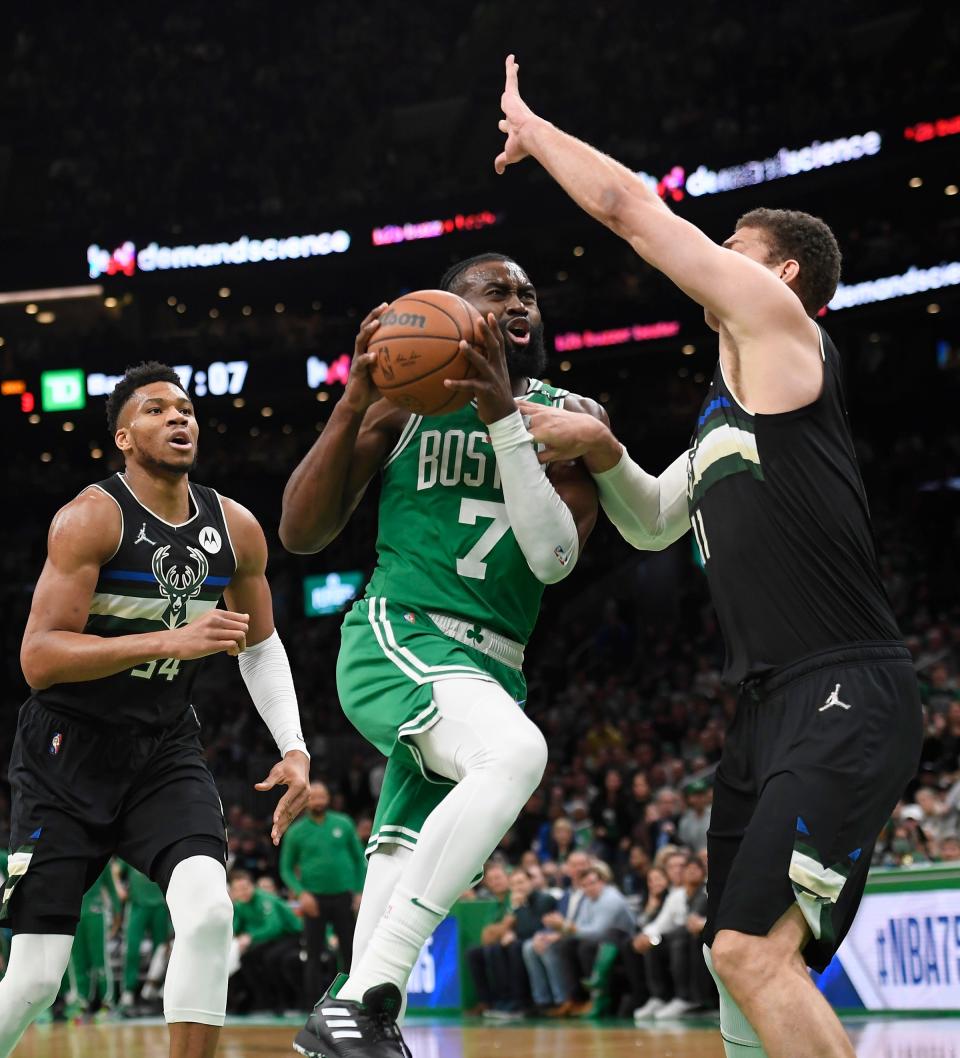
55	743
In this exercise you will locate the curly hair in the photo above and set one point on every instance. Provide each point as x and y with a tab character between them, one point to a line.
133	379
451	278
807	240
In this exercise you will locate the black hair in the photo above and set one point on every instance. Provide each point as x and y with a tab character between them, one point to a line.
451	278
810	242
133	379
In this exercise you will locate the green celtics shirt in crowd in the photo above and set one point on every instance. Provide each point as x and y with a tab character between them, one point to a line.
322	857
140	890
445	541
264	917
101	896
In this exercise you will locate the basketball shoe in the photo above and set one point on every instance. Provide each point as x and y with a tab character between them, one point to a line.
340	1028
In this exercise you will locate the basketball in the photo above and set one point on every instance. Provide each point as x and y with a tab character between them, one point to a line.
418	346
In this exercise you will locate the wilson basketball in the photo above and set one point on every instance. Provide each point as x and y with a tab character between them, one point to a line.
418	346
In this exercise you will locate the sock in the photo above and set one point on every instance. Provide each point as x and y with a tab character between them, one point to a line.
739	1038
395	945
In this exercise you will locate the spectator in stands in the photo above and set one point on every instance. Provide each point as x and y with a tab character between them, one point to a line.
546	982
267	936
695	821
950	850
663	828
601	920
495	884
633	882
611	819
561	841
677	977
322	865
497	962
671	916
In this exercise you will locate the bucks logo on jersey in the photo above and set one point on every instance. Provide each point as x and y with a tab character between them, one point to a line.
445	541
178	584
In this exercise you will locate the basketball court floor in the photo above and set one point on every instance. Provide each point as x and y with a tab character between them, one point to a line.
260	1038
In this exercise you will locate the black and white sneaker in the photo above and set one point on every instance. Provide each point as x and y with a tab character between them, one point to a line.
343	1028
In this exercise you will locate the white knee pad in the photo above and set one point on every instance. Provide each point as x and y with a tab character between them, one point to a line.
202	916
739	1038
37	964
482	728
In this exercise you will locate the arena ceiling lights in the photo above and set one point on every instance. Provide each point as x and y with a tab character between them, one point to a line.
126	259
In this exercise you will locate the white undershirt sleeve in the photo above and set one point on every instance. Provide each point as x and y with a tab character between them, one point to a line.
266	672
542	523
649	513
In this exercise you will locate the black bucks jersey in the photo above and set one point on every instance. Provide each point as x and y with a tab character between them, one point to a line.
162	576
781	521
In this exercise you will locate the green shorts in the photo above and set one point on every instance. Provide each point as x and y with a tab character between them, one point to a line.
390	657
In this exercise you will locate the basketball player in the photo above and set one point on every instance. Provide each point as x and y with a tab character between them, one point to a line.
827	731
107	757
471	529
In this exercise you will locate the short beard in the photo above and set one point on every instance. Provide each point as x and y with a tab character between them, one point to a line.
151	463
527	361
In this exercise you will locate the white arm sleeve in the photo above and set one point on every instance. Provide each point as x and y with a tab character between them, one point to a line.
650	513
266	672
541	521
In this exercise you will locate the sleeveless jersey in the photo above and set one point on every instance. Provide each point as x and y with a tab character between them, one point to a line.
445	541
162	576
780	517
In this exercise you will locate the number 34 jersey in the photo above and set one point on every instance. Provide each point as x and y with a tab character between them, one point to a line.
162	576
445	541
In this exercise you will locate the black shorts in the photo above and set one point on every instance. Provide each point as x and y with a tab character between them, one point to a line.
813	764
81	793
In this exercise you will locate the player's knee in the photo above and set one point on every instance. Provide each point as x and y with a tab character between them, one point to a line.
208	924
523	757
41	989
737	958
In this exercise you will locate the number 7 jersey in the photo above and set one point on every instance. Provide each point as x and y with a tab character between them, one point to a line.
445	541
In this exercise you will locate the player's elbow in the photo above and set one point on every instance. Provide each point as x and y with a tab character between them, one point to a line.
35	672
298	540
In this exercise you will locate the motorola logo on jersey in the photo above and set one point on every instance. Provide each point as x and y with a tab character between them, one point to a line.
210	540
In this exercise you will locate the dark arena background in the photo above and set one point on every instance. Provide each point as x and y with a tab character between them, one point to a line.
229	189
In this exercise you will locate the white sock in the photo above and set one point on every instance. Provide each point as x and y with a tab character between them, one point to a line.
383	873
739	1038
497	756
37	964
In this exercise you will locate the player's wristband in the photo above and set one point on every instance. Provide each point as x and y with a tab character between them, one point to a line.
542	523
266	672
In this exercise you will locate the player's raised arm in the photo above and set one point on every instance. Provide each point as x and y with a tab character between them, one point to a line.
741	293
649	512
83	536
330	480
265	668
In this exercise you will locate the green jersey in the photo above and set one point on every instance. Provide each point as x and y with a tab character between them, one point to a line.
445	542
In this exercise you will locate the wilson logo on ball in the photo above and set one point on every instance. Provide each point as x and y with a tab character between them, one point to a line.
403	319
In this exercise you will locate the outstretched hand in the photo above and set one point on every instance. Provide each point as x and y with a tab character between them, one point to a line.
517	116
294	773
